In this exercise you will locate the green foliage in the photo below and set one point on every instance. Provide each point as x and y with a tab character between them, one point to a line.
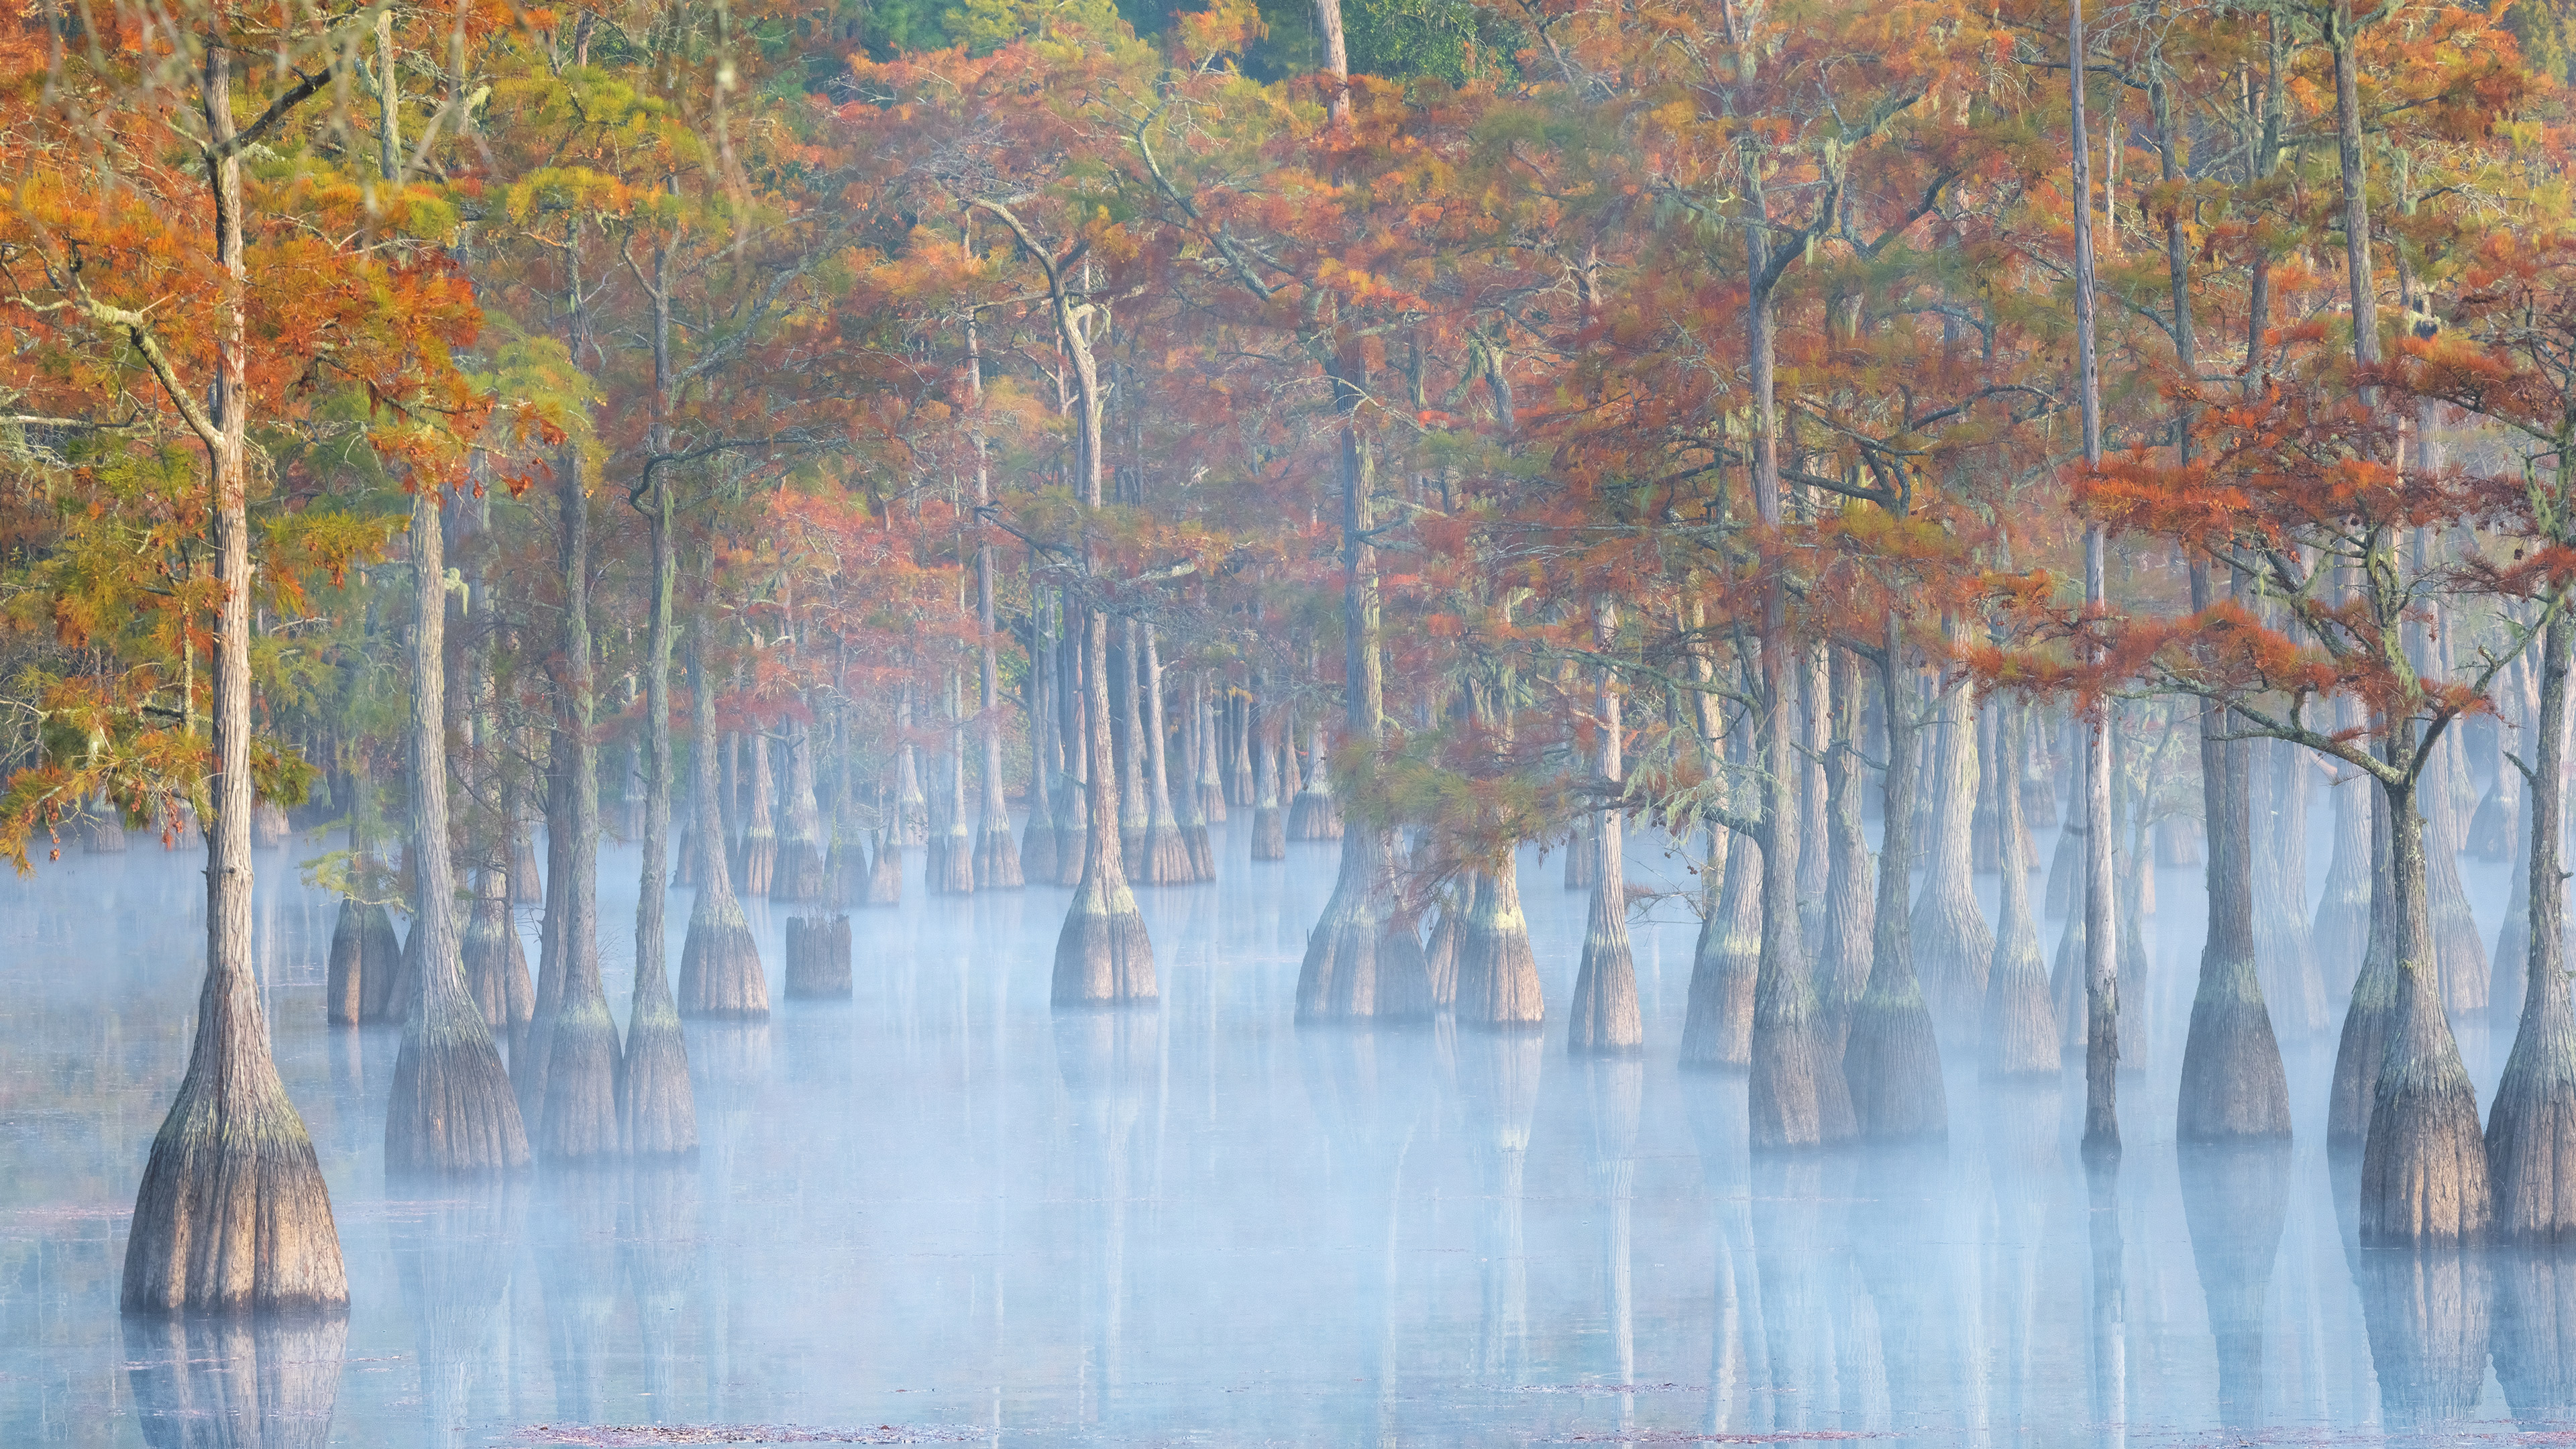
1450	40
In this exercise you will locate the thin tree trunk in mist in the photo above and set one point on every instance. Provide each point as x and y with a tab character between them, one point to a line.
1498	985
1603	1019
1850	903
1952	943
580	1120
1892	1061
1364	961
2021	1034
657	1112
2531	1131
2101	981
2233	1087
720	974
452	1109
997	857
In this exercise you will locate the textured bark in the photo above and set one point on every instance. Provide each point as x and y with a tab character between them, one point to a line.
1498	986
1849	921
1037	842
911	807
2513	934
1127	741
997	858
580	1118
2065	889
2339	935
1208	750
948	866
2531	1132
1239	767
2021	1031
365	955
2372	1013
720	973
1198	784
657	1112
1717	1022
2457	946
818	956
757	871
1166	859
2424	1164
1072	799
885	875
496	964
1603	1019
1797	1097
1440	957
802	874
2233	1087
533	1049
1891	1063
2293	984
1102	956
1313	813
1952	942
232	1212
268	827
1269	822
452	1108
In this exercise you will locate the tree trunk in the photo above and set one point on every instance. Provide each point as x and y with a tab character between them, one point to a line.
1167	851
580	1121
2424	1164
1604	1019
2021	1035
1892	1060
720	974
2531	1133
2233	1087
1850	914
452	1110
232	1213
657	1112
1102	956
1364	961
1037	843
1952	943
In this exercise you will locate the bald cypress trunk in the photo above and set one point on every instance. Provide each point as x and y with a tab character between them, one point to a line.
1364	961
720	974
1850	916
1167	852
1952	943
232	1212
2021	1031
580	1120
452	1108
1603	1018
2531	1133
657	1112
1892	1061
2424	1165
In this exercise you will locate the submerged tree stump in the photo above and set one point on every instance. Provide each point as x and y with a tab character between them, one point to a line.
818	956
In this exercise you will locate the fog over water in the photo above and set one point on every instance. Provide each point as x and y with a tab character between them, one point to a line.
941	1211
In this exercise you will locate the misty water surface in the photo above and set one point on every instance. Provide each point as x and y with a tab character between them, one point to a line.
940	1212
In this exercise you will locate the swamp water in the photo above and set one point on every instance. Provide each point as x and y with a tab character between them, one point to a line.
940	1213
